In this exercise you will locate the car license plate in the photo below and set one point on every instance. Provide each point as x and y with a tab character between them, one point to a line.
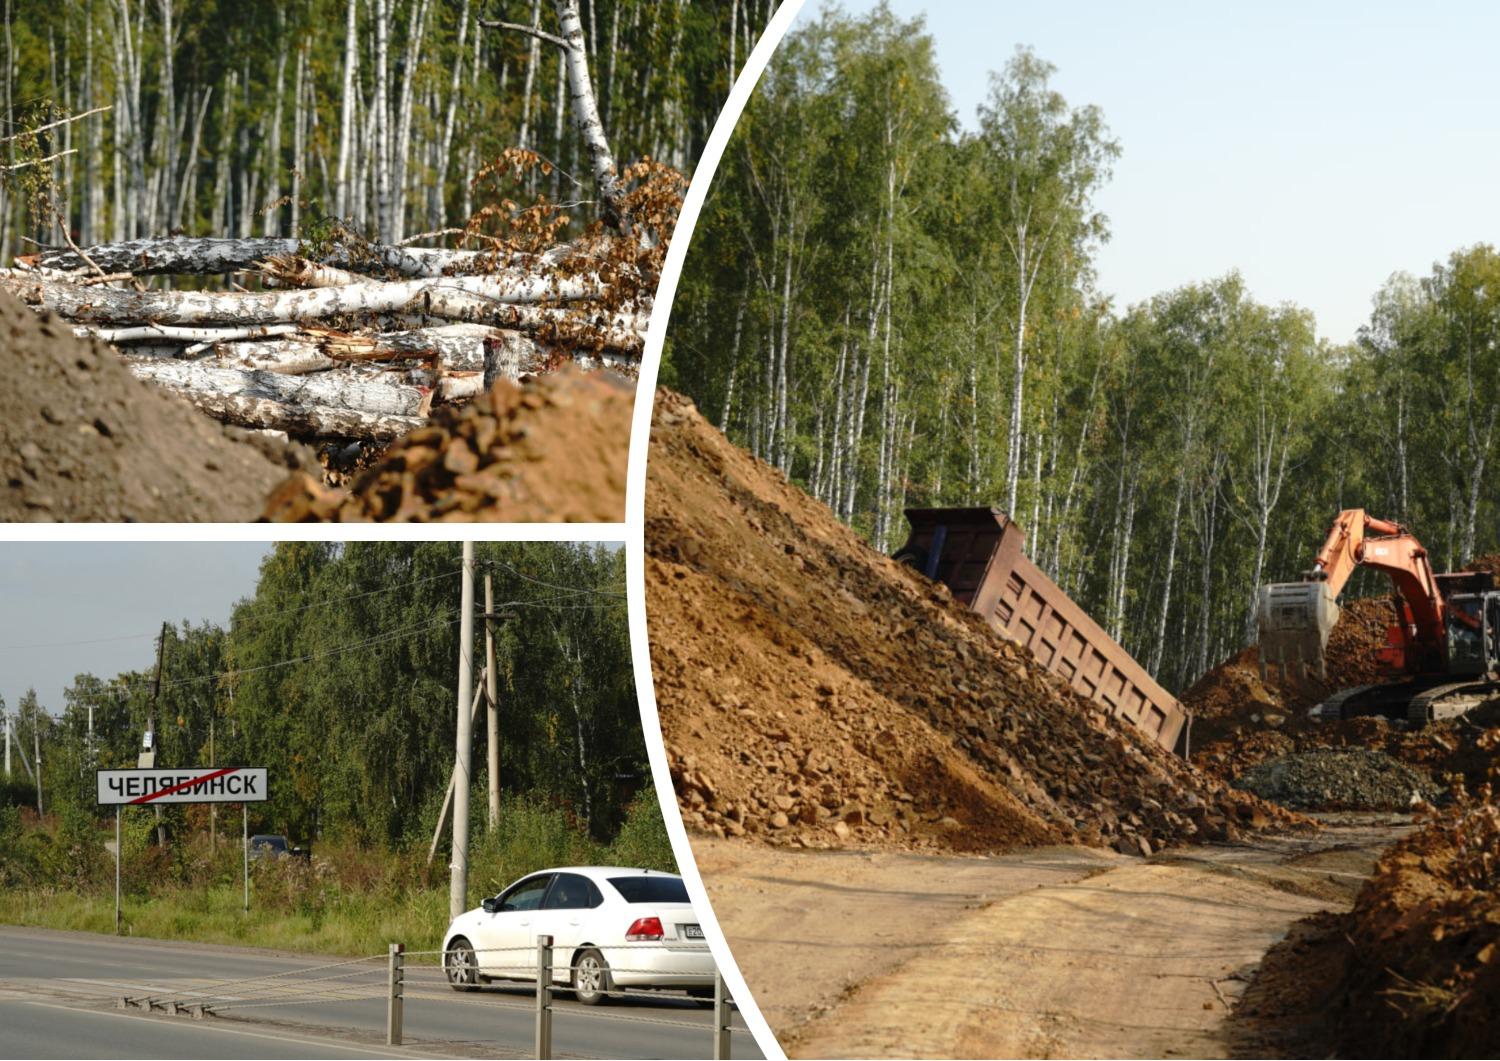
692	931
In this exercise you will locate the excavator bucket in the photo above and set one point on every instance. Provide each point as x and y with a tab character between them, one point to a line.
1295	620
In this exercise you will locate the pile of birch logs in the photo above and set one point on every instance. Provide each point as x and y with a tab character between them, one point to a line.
350	342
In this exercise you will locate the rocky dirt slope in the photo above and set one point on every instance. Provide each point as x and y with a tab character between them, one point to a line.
814	692
554	450
81	439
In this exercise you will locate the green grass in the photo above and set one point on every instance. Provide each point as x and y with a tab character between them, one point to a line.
215	915
351	899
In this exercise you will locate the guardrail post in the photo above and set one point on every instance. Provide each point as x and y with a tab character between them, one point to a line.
722	1016
543	997
396	979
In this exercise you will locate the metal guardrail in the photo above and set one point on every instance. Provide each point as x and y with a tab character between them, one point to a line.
360	979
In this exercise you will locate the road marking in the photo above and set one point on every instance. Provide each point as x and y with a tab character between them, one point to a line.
326	1043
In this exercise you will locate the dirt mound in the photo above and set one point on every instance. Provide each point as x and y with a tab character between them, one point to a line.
1489	563
81	439
1329	779
1413	970
815	692
554	450
1231	700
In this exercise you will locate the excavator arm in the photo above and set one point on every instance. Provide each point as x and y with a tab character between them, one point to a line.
1295	618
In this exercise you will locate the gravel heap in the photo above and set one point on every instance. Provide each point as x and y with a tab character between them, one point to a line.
1342	779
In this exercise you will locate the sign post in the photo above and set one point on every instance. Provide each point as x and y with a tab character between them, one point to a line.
193	784
118	852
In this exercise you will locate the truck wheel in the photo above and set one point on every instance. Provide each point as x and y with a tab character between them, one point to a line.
913	558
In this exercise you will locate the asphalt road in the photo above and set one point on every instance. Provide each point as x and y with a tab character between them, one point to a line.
58	992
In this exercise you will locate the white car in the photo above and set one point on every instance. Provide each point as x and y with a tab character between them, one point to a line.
611	928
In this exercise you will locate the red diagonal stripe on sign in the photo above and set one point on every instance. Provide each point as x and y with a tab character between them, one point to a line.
186	784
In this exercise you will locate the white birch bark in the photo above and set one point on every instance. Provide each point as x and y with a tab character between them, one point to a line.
343	200
337	390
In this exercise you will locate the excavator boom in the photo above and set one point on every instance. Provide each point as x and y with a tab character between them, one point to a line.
1295	618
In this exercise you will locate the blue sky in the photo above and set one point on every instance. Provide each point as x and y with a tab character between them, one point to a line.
1318	148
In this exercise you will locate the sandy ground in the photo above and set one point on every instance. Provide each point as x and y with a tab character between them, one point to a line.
1055	952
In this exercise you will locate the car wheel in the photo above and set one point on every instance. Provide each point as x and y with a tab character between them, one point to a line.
591	983
461	965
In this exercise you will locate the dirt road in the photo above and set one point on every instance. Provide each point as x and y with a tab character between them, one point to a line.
1047	953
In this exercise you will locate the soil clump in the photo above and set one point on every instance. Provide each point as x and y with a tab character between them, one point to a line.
83	440
814	692
554	449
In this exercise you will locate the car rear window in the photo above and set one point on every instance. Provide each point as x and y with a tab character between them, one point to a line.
651	889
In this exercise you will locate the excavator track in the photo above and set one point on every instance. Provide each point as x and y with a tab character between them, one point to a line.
1448	701
1414	702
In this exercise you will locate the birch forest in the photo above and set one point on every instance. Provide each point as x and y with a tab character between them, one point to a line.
896	311
405	199
340	669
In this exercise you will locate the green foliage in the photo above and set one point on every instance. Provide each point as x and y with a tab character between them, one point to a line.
856	309
643	840
204	138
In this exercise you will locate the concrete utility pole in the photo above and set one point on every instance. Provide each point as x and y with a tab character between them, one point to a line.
7	746
36	749
492	694
458	881
161	653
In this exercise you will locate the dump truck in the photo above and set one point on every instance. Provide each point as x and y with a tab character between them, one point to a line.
1442	648
977	553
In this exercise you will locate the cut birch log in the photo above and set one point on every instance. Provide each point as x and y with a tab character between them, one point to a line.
309	421
502	301
339	390
471	299
155	333
210	255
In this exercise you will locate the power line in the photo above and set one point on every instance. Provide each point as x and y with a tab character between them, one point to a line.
235	672
610	591
253	615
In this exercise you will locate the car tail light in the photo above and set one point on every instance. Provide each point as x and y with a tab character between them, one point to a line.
644	929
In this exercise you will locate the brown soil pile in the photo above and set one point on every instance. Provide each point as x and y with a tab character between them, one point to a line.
814	692
1232	701
1240	721
1489	563
1424	979
81	439
1414	969
553	450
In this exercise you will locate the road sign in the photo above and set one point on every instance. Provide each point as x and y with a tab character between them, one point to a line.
193	784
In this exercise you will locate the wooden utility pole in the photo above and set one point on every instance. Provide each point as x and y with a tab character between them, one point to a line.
458	881
492	694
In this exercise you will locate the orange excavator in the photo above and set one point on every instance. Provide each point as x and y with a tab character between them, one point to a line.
1442	651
